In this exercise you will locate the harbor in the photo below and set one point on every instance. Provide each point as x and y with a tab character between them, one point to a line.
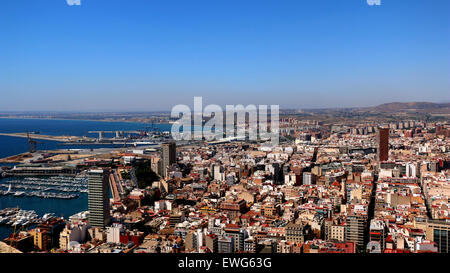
16	217
42	206
59	187
124	138
39	169
38	198
48	137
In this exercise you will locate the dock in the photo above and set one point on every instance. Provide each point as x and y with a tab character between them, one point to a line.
49	137
16	158
41	171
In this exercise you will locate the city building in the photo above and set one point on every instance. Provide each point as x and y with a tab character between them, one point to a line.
382	144
356	226
98	197
438	231
226	244
168	156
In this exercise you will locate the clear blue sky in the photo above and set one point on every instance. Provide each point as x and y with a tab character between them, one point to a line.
152	54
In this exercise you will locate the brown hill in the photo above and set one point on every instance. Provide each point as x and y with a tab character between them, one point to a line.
412	106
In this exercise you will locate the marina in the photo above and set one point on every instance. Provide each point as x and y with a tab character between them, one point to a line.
59	191
15	217
59	187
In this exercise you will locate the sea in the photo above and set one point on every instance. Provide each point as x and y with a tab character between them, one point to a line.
15	145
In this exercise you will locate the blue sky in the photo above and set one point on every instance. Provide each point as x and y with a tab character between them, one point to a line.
147	55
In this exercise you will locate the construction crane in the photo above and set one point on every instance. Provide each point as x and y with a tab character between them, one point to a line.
119	132
31	144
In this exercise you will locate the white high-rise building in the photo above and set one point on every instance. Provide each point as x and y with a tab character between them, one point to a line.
411	170
307	178
113	234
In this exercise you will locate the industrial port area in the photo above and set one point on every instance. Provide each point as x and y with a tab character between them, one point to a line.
62	173
125	138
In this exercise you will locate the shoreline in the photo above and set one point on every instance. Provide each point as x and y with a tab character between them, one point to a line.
58	138
98	120
46	137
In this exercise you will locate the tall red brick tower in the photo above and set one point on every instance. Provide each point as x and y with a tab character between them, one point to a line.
382	144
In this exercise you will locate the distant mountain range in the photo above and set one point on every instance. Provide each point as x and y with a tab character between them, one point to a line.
411	106
409	109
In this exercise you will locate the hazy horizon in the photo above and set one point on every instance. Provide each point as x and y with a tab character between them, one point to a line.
191	105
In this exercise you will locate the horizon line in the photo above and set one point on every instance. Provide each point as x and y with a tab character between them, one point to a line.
168	111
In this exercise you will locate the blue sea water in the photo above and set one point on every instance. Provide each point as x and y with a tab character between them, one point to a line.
15	145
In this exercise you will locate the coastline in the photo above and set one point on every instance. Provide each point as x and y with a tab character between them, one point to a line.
93	120
14	141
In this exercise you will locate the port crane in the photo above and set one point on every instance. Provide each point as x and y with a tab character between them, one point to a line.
118	133
32	143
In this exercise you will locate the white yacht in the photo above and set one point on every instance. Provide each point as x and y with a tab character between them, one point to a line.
47	216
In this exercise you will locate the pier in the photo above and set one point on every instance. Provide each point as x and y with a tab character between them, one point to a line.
48	137
41	171
17	217
51	187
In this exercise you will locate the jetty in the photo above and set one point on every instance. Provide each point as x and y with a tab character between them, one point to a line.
49	137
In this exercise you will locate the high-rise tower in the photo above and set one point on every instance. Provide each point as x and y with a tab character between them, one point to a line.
98	197
168	156
382	144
